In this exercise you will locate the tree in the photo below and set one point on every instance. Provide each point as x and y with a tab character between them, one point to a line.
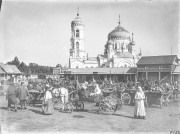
24	68
15	62
59	65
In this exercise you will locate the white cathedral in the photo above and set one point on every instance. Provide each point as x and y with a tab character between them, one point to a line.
119	50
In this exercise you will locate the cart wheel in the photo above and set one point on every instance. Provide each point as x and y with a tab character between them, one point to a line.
29	101
79	105
126	98
106	107
68	107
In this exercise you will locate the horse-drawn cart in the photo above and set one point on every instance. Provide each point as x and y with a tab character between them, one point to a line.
157	98
108	101
35	97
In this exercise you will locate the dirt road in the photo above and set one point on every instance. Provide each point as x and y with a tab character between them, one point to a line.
90	120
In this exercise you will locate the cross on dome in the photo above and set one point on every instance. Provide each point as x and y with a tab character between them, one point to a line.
132	36
78	11
119	20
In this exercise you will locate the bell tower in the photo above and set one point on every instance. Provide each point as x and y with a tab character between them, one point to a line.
77	50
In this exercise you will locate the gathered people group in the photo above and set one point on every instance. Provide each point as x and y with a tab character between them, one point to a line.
17	94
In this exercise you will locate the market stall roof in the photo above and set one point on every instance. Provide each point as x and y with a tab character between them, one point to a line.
101	71
10	69
177	70
157	60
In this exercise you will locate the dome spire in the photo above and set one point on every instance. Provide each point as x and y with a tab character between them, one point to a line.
119	20
132	36
140	53
78	11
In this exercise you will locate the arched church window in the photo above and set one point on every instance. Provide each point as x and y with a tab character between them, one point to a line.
115	47
125	65
77	33
72	46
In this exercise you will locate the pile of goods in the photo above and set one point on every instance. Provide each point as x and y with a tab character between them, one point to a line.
108	105
108	90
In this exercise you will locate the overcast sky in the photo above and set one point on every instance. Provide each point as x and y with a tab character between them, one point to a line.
39	31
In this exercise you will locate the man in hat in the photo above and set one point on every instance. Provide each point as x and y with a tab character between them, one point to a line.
11	96
23	95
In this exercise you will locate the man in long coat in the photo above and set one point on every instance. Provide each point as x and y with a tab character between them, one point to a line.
11	96
23	95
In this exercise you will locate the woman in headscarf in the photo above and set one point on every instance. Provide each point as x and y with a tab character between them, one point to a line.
47	106
139	111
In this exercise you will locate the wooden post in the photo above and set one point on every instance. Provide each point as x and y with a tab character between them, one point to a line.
159	76
171	77
136	78
146	75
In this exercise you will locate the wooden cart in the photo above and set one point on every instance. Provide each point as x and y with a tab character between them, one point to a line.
157	98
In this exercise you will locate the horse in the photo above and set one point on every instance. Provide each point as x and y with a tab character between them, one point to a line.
60	94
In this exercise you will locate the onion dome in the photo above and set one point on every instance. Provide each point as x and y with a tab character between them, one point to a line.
132	42
77	21
119	33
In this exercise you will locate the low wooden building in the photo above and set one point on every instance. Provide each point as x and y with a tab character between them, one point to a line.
9	72
157	68
116	74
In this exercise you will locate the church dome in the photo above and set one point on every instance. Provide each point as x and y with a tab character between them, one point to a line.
132	43
119	33
77	21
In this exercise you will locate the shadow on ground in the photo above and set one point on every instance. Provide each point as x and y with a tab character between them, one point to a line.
36	111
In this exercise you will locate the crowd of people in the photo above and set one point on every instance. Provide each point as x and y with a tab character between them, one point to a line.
19	93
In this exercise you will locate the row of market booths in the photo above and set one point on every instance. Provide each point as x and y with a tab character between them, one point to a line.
156	68
116	74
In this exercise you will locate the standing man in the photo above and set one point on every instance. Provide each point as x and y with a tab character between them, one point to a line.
23	95
11	96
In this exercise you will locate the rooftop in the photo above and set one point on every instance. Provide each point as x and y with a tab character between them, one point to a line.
157	60
10	69
101	71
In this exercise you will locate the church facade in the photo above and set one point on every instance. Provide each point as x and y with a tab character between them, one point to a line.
119	50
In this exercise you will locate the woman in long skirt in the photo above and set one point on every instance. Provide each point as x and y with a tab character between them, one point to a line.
139	111
47	106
